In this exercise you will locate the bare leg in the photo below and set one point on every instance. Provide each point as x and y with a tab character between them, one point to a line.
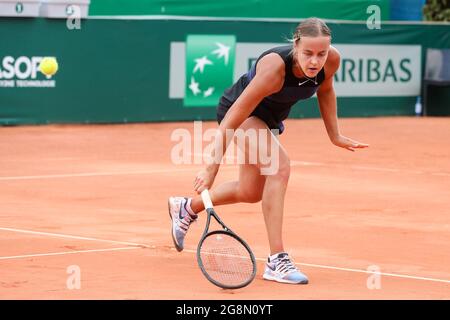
224	193
249	188
274	190
272	207
252	187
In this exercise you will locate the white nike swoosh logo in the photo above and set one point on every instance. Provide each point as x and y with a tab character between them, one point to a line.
303	82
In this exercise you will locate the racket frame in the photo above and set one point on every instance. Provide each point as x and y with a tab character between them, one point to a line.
226	230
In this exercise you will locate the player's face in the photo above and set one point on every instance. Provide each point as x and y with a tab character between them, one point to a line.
312	52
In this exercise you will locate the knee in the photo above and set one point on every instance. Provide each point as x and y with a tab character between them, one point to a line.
284	169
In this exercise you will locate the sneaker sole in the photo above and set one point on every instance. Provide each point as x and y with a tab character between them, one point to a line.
271	278
179	249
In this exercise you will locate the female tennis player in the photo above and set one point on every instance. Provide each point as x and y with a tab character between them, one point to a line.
261	99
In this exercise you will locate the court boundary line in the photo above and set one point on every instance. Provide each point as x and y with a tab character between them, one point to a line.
140	246
192	169
66	253
89	174
68	236
397	275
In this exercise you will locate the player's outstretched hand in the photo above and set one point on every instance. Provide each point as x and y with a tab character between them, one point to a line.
348	143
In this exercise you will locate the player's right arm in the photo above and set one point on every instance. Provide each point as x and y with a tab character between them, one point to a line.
269	78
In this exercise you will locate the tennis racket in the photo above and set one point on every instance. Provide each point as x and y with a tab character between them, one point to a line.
224	258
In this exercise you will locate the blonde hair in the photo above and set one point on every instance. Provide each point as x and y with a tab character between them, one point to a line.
311	27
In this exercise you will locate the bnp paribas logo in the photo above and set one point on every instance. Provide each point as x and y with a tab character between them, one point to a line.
209	68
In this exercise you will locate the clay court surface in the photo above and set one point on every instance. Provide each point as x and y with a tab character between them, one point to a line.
95	196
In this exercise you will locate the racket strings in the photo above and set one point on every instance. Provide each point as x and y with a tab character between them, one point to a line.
226	260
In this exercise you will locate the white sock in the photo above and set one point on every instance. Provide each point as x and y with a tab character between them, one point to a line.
272	257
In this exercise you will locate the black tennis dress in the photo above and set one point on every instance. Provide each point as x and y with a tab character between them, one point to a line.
275	108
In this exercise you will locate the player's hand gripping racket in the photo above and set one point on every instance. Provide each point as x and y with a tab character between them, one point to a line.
224	258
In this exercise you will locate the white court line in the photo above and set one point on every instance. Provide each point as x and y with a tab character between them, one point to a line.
306	163
441	174
39	159
374	169
321	164
97	174
65	253
369	168
371	272
137	246
91	174
192	169
355	270
60	235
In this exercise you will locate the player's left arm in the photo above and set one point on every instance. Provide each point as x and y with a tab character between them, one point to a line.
328	104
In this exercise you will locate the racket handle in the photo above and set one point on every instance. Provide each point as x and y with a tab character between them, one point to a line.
206	199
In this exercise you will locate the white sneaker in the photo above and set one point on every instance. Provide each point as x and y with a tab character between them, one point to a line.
181	220
281	269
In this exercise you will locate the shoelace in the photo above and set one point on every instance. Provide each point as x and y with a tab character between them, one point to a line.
189	219
285	265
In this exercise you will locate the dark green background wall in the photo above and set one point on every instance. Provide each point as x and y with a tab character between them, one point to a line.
118	70
326	9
